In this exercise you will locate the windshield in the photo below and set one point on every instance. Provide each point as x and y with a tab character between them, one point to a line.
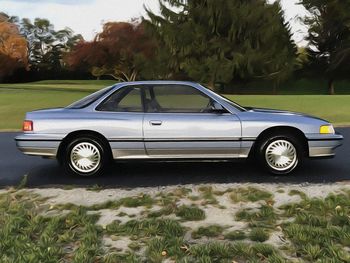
234	104
84	102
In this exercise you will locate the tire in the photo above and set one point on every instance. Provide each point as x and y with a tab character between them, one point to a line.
85	156
280	154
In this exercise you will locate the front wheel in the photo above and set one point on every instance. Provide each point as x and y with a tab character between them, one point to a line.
280	154
85	156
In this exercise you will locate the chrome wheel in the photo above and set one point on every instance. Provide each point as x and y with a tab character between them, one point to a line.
281	155
85	157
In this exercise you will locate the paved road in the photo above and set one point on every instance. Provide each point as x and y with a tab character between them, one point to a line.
42	172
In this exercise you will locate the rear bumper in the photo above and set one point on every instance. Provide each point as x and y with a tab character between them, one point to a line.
323	146
38	145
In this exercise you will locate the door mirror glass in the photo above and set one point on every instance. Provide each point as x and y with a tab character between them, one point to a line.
217	108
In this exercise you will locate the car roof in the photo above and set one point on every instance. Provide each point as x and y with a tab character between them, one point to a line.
152	82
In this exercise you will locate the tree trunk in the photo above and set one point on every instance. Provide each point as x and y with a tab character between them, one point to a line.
331	89
211	84
274	89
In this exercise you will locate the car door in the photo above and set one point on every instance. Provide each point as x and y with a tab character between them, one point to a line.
179	123
120	119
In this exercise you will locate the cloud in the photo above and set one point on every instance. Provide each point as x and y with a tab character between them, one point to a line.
85	19
61	2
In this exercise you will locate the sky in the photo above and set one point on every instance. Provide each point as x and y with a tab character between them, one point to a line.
87	16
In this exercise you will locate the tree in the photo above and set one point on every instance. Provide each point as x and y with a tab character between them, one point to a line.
122	50
224	41
329	38
13	47
46	46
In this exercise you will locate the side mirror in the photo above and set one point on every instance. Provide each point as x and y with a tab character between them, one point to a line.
217	108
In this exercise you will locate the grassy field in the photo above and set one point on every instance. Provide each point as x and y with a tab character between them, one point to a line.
205	223
16	99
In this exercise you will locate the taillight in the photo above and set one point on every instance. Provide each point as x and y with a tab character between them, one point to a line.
27	126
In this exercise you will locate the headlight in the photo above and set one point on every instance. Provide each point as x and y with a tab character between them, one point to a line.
327	129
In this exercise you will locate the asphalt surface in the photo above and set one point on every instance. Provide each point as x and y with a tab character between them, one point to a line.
43	172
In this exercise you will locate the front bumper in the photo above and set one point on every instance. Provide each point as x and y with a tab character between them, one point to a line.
38	144
323	146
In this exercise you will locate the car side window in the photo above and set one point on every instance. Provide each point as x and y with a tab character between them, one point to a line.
176	99
126	99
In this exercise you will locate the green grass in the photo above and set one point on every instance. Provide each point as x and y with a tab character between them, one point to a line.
235	235
335	109
313	230
251	194
190	213
27	236
264	216
259	234
17	99
208	231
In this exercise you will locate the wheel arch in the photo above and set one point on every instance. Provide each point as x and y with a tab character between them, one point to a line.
281	130
81	133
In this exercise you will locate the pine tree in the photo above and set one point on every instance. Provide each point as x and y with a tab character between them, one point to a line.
329	38
224	41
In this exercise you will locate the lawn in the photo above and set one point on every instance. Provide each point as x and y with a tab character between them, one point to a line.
205	223
16	99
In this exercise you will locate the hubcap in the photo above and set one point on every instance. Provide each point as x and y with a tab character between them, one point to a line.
281	155
85	157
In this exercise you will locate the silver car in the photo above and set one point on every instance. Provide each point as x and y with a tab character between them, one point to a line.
172	120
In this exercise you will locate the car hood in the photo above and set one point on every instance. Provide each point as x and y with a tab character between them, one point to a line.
280	112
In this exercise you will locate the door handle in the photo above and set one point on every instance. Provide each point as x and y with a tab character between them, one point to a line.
155	123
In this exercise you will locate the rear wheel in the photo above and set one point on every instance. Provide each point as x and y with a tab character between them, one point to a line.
85	156
280	154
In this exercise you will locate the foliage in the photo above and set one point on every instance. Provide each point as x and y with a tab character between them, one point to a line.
259	234
209	231
46	45
122	50
250	194
27	236
329	37
264	216
235	235
13	47
313	230
221	41
321	228
190	213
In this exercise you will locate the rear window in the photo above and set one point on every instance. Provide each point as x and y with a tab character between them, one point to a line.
84	102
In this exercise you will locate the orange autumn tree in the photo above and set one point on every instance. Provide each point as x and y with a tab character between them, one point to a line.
122	50
13	48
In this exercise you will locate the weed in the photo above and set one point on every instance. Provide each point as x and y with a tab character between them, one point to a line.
208	195
235	235
190	213
95	188
129	257
209	231
211	252
163	247
194	197
265	215
23	182
26	236
135	246
259	234
250	194
146	228
137	201
297	192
